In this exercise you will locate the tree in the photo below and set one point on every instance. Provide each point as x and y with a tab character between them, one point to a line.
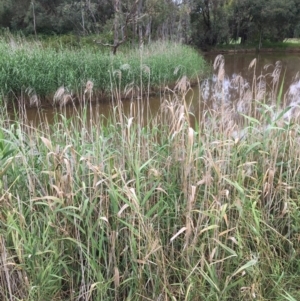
283	16
209	21
124	14
83	16
6	13
257	20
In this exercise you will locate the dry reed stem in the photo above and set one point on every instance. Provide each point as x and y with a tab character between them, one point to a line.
183	85
58	95
62	97
14	281
34	101
219	64
89	87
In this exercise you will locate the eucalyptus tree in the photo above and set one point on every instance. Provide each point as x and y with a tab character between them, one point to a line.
168	20
6	13
55	16
143	20
256	20
282	18
209	21
13	12
125	13
83	16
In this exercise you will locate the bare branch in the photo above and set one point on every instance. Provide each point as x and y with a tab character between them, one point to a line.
131	16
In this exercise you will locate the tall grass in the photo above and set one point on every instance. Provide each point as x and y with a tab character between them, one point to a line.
29	68
96	210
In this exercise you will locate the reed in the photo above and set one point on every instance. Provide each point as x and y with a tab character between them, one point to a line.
116	210
30	66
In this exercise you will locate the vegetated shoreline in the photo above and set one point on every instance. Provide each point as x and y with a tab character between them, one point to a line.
35	73
254	50
165	211
289	46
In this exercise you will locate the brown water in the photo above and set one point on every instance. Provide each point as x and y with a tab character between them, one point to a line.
234	64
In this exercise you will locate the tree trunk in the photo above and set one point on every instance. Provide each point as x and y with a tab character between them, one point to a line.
140	28
34	21
130	17
148	30
117	8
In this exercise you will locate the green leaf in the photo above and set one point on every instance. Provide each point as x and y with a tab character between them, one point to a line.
281	114
209	280
229	250
288	297
251	119
279	96
236	185
249	264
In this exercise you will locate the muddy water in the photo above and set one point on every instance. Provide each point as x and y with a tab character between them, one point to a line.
235	64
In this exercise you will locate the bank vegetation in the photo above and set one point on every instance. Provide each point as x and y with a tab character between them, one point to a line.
201	202
33	71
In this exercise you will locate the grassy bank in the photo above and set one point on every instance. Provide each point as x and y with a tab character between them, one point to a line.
32	69
94	210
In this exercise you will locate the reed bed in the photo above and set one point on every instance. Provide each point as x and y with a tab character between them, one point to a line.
31	68
170	210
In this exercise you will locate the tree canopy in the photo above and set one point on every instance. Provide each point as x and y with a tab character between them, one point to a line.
204	23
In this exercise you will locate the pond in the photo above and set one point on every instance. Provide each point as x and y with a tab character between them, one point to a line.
235	65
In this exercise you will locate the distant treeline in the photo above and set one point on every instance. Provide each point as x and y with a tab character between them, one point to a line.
204	23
